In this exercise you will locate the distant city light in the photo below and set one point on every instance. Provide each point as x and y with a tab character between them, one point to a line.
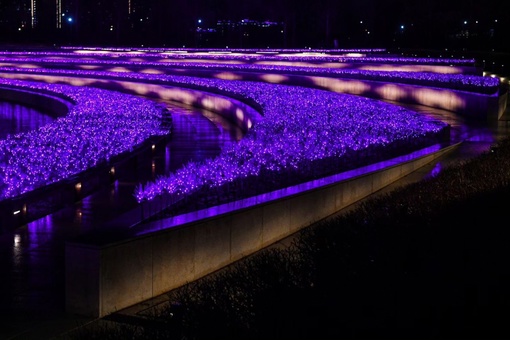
228	27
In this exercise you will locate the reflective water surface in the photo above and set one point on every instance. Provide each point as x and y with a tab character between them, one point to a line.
16	118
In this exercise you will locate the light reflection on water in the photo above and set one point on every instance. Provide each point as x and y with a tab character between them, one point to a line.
197	135
16	118
32	256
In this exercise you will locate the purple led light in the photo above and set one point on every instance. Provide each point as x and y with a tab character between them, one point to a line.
101	124
248	55
301	126
463	82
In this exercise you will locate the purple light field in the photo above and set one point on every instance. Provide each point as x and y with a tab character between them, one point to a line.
300	128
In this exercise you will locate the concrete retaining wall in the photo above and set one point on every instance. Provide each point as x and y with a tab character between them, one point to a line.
104	278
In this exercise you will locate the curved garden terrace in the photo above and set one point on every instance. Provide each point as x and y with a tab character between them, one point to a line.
253	55
326	129
225	50
447	87
100	125
304	134
301	135
455	81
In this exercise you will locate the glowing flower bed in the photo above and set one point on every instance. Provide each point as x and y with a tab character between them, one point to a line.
462	82
247	57
305	133
101	125
326	58
227	50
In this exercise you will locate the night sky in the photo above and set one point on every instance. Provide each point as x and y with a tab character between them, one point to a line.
322	21
318	23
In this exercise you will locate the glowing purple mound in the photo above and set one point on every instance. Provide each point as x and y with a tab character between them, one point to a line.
251	55
100	125
301	127
463	82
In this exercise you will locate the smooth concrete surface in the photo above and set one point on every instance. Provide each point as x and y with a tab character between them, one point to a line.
143	267
181	267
